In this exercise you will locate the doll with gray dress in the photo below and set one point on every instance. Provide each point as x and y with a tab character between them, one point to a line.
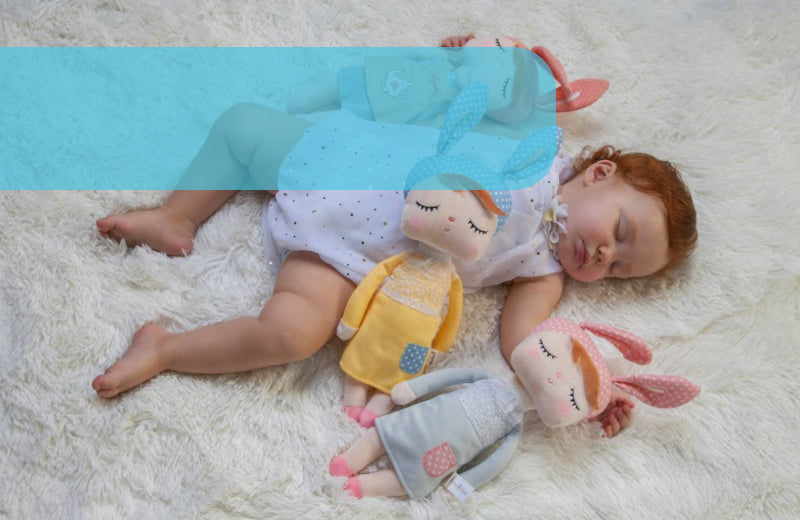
560	374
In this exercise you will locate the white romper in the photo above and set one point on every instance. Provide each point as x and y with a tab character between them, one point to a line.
354	230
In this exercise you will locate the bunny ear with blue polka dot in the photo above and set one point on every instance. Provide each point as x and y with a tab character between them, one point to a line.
534	155
462	116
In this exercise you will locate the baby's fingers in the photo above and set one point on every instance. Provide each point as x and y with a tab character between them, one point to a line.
456	41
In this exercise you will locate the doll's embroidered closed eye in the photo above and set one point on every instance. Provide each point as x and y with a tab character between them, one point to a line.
505	86
572	399
423	207
546	352
476	228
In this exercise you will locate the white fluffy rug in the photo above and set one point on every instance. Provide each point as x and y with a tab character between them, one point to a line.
711	85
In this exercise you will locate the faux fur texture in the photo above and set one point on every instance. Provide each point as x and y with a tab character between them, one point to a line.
711	86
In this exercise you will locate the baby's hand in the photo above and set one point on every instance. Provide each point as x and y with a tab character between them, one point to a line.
617	415
456	41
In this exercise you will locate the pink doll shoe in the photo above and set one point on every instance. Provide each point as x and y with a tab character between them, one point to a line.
339	468
571	96
367	419
353	412
353	486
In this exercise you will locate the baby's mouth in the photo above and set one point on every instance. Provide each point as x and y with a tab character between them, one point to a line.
581	255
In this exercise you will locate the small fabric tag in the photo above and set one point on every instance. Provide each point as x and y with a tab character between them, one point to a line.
435	357
460	488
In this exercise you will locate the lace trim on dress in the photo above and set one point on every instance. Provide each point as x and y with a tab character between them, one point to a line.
555	223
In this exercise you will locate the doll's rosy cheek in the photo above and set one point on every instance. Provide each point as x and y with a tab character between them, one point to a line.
564	409
414	222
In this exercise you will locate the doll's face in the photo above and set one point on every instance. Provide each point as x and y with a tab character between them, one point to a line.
543	363
453	222
494	65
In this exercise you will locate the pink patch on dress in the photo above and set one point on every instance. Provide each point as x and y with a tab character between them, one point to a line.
439	460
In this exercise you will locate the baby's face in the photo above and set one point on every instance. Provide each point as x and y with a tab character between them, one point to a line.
453	222
543	363
613	229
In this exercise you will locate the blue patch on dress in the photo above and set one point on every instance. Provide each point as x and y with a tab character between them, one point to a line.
413	358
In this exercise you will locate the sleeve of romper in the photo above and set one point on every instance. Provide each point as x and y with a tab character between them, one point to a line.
494	463
408	391
362	295
447	332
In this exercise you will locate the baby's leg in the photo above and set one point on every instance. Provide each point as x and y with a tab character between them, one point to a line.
379	404
299	318
244	148
354	397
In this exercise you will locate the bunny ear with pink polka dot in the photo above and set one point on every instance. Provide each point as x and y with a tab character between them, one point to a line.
658	390
632	347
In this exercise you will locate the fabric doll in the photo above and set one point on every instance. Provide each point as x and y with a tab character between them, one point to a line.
393	320
413	85
560	373
568	97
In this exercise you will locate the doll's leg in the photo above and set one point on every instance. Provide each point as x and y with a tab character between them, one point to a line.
244	148
354	397
300	317
317	95
379	484
367	448
379	404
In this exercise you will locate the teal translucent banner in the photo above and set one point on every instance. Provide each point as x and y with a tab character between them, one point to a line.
269	118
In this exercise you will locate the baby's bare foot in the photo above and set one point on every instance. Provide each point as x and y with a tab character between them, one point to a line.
162	229
139	363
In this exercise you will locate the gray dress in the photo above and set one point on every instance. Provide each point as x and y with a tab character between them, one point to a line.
429	441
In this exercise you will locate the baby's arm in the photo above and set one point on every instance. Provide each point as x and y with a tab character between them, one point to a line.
456	41
529	302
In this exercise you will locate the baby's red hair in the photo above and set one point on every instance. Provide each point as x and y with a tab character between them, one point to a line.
661	180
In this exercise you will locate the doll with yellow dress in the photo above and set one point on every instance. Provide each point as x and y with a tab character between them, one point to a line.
393	321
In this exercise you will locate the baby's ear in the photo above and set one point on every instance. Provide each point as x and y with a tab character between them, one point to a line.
466	111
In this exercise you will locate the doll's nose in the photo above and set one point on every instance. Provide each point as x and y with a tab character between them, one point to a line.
451	219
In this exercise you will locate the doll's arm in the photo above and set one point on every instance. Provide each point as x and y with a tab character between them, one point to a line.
408	391
494	463
447	333
529	302
362	295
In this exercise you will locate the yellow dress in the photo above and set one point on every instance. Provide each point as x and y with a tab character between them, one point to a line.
397	312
